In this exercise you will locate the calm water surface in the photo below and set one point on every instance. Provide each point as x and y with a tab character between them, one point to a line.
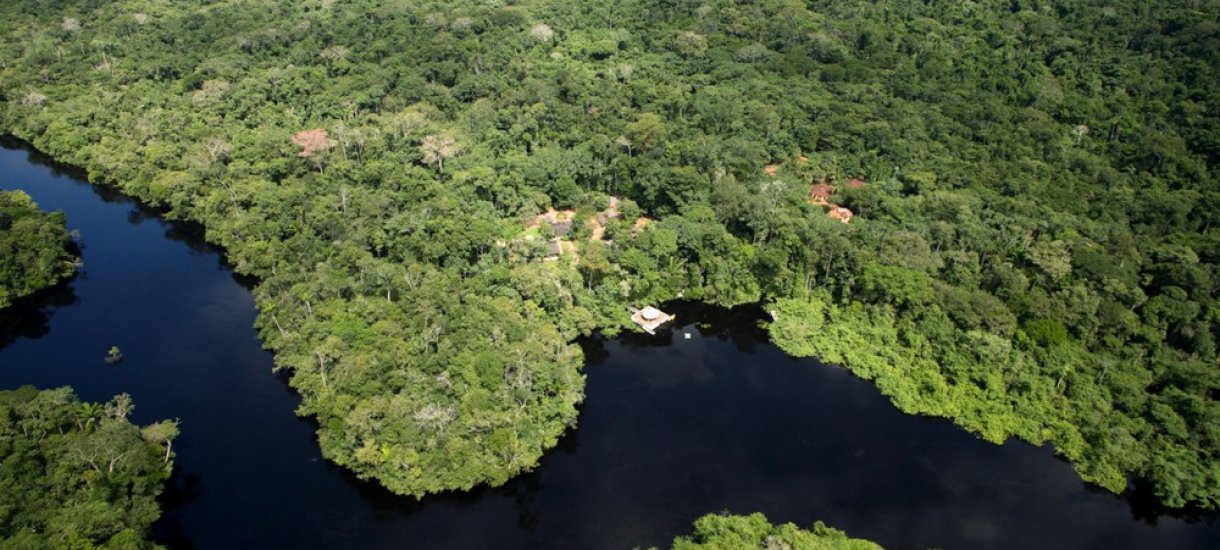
672	427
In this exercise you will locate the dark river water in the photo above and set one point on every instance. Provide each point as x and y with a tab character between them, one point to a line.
673	427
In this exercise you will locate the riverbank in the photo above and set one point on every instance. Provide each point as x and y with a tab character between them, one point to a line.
672	428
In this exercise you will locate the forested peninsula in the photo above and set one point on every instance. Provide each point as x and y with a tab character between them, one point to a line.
76	474
35	247
1003	212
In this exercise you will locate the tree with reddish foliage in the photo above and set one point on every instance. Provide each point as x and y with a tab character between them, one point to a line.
313	143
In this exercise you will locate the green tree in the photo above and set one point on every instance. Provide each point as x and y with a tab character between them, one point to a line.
78	475
729	532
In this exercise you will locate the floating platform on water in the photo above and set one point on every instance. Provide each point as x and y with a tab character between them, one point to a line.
650	318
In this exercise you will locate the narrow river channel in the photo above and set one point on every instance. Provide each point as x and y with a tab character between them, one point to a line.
706	418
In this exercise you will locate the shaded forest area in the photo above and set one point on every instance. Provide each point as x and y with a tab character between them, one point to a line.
1032	248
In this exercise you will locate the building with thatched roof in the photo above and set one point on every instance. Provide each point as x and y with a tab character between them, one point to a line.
820	193
562	228
650	318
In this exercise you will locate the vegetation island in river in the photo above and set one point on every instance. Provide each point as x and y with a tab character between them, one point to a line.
34	247
1031	189
729	532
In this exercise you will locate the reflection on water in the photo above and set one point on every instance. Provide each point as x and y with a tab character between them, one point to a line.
673	426
30	317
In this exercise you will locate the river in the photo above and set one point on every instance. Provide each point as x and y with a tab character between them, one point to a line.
706	417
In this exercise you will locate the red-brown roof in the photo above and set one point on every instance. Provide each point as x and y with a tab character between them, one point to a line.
856	183
821	191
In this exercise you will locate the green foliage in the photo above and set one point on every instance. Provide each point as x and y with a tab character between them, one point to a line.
1046	332
78	475
1034	250
728	532
33	246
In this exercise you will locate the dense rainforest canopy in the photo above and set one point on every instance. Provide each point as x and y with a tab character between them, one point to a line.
34	247
1030	186
78	475
728	532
